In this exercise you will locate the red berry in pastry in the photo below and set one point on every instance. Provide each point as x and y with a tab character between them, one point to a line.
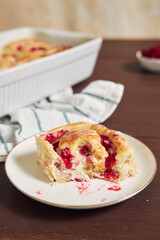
83	151
26	50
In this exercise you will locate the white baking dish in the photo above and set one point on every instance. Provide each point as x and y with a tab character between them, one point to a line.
29	82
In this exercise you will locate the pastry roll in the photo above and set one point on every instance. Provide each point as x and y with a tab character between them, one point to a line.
83	151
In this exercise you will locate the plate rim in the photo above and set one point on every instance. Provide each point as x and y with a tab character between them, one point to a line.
93	206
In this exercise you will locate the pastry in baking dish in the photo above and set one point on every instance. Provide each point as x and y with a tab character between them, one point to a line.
83	151
26	50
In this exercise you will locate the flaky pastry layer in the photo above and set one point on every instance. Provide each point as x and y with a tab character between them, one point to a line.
83	151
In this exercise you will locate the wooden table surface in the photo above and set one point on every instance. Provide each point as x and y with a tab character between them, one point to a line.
138	114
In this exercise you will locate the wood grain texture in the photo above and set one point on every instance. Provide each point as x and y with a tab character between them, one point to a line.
138	114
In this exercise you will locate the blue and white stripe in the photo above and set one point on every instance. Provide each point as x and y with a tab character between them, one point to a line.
94	104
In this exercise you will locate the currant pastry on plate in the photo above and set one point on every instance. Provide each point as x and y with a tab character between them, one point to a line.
83	151
26	50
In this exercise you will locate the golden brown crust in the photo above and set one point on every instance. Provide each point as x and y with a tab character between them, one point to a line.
77	135
75	139
26	50
121	143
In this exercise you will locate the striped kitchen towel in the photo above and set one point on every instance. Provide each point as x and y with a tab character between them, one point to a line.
94	104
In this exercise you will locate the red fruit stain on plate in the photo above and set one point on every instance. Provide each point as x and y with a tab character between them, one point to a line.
83	187
100	186
114	188
39	192
103	199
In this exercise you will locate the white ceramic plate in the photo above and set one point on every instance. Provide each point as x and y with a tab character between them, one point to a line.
151	64
28	177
